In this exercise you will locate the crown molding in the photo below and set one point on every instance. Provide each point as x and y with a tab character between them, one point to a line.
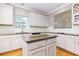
25	7
49	13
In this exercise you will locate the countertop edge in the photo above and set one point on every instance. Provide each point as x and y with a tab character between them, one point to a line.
41	39
72	34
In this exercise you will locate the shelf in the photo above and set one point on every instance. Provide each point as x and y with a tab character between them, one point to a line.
76	14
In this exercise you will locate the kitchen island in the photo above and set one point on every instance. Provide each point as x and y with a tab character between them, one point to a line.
40	45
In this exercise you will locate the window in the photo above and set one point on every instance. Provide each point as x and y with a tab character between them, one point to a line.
21	22
63	20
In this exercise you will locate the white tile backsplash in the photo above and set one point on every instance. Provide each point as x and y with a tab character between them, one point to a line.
7	29
74	30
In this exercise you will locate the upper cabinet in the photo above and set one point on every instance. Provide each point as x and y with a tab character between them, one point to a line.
76	13
36	19
76	8
6	14
63	19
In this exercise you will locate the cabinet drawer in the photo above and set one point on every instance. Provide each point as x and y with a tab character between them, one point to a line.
50	41
38	52
36	45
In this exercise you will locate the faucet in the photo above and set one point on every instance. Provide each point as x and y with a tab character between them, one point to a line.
22	27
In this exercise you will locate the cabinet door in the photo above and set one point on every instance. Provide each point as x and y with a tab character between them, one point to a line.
1	16
61	41
38	52
36	19
33	19
77	46
6	14
51	50
16	42
69	43
4	44
43	20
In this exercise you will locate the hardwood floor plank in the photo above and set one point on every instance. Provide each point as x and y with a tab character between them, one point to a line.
17	52
62	52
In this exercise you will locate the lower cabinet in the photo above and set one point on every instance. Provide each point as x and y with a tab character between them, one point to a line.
69	43
51	50
61	41
16	42
77	46
9	43
38	52
4	45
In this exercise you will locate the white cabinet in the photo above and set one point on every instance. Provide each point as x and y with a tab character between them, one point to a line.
51	50
66	42
36	19
61	41
50	41
16	42
36	45
4	44
77	45
51	47
69	43
6	14
75	12
44	20
32	19
38	52
10	42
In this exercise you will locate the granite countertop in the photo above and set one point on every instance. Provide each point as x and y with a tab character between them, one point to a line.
41	38
64	33
3	34
17	33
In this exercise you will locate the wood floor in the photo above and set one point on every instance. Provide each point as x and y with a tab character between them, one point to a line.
17	52
62	52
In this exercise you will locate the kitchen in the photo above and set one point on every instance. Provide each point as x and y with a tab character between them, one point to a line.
39	29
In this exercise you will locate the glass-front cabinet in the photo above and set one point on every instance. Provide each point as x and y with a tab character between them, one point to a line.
76	13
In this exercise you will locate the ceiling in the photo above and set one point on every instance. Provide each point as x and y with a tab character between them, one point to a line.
43	7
